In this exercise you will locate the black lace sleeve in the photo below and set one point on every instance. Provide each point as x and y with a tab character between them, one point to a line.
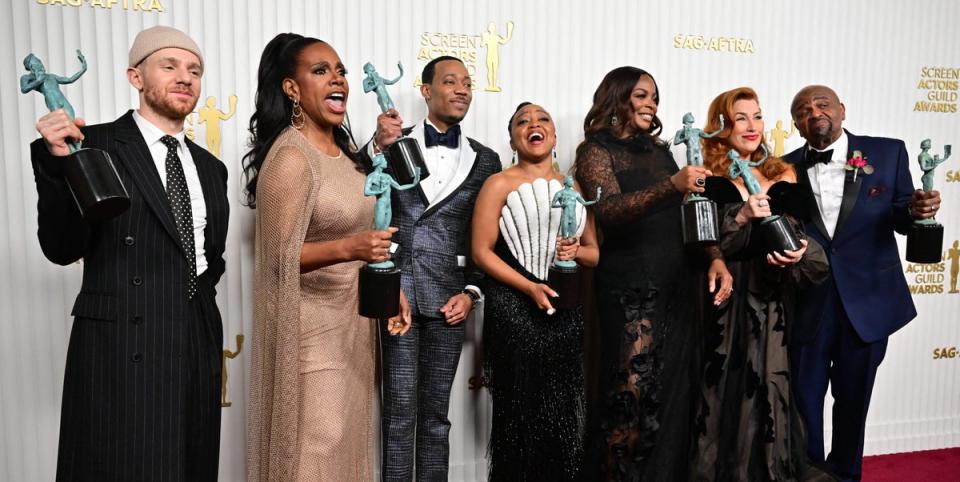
734	239
595	168
711	253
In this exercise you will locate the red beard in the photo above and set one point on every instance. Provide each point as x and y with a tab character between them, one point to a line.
165	104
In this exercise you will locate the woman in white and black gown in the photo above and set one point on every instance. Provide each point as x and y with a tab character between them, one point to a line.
532	351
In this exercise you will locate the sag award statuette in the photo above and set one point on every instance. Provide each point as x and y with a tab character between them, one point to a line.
90	173
404	154
925	239
698	214
380	282
564	275
777	232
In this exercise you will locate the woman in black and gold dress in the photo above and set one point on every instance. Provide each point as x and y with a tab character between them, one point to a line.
532	351
747	426
639	422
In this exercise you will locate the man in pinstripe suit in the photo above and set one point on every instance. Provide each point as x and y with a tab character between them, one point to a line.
434	220
142	382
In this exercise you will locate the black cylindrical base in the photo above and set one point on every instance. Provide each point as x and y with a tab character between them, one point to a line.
403	156
925	243
379	292
699	219
779	234
566	282
95	185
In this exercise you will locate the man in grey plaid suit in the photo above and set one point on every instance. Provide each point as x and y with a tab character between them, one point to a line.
432	252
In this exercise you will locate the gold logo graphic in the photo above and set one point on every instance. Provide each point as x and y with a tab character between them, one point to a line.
138	5
466	47
191	121
492	41
927	279
223	382
953	176
210	115
941	85
953	255
715	44
777	137
931	279
461	46
945	353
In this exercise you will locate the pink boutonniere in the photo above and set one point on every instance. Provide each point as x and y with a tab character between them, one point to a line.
857	163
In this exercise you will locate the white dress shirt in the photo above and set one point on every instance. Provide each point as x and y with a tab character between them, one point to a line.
442	163
826	181
158	151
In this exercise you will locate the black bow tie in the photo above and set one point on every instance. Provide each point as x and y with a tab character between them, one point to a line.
451	138
824	157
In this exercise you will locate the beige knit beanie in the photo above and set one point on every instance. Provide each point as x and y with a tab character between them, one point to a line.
161	37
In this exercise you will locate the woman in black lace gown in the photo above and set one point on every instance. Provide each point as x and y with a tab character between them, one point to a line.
748	427
532	351
639	419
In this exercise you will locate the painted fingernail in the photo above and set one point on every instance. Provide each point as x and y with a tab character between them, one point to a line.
551	311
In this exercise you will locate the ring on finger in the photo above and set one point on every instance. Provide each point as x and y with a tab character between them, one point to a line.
700	182
762	203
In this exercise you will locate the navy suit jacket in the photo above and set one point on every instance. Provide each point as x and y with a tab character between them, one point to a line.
864	260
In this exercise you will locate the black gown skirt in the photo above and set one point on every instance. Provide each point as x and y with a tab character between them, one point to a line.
641	410
534	368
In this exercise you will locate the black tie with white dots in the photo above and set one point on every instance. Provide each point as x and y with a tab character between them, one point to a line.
179	196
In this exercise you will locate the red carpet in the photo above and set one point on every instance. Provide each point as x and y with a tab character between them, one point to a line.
927	466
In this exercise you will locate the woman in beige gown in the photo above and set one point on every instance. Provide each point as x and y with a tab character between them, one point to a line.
312	389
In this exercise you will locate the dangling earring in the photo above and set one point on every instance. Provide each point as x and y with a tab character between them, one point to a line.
613	120
514	160
296	118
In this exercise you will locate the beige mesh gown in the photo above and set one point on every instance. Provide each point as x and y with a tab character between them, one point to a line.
311	394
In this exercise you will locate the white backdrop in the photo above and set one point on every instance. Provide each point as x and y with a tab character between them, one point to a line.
895	66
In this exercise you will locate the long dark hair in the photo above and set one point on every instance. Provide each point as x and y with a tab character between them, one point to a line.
273	108
611	110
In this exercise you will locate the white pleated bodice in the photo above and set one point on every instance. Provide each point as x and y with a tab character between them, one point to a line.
529	226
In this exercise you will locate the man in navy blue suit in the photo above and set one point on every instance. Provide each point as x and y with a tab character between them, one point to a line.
840	333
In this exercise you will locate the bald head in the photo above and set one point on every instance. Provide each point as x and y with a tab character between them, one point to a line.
818	114
810	92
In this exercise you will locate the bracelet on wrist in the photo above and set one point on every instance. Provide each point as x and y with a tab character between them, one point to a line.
474	296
